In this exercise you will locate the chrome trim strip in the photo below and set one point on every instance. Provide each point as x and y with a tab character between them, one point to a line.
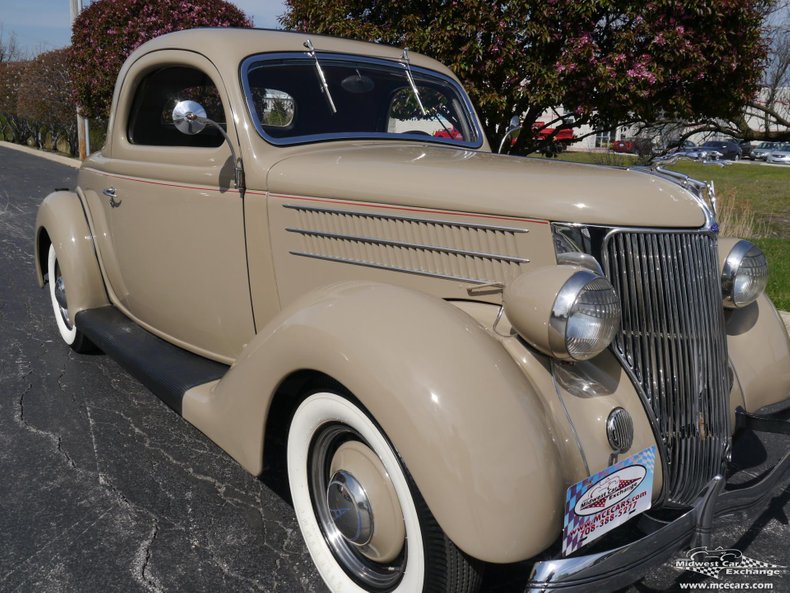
553	365
388	243
436	221
392	268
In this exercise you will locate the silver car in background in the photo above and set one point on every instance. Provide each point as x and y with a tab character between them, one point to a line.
762	151
780	155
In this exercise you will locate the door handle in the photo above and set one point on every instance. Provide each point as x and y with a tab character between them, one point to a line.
112	193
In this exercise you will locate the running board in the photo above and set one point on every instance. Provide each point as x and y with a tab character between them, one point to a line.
167	370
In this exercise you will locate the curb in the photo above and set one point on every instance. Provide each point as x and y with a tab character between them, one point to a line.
58	158
786	318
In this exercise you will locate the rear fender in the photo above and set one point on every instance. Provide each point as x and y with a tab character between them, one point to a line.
61	222
462	416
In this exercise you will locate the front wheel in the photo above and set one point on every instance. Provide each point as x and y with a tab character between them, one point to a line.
365	523
57	293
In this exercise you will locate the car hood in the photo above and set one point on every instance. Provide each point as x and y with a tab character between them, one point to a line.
481	182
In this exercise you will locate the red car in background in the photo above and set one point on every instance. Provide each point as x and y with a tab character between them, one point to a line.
623	146
544	133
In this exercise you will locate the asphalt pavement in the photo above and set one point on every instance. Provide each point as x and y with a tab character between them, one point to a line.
103	488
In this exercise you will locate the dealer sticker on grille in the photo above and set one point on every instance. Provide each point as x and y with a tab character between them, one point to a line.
607	499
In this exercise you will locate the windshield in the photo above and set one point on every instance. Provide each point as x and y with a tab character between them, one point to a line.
372	98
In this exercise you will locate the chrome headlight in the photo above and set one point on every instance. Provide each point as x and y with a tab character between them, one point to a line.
567	312
585	317
744	275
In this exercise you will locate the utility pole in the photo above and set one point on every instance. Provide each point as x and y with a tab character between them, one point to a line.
82	123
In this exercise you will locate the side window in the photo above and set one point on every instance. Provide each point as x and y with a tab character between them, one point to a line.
150	120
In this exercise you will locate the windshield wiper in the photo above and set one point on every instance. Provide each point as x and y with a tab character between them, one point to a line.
407	66
321	78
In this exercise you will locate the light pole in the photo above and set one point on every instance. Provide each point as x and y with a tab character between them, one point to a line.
83	137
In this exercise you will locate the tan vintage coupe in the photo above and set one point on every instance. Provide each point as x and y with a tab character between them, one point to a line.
472	358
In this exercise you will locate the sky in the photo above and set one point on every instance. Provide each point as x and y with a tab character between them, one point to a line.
42	25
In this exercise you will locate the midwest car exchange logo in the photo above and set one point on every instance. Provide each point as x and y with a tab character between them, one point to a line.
722	562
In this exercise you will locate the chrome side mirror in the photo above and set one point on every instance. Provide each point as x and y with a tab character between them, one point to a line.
189	117
515	125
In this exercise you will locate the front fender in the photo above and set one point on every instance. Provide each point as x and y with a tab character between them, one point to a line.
61	222
462	416
759	350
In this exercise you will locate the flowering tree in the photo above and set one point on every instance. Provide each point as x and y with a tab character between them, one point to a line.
44	99
11	74
107	31
607	62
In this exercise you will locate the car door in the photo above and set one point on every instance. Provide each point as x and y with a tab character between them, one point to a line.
173	248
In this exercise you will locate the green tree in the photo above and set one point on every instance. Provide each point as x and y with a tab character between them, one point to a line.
607	62
107	31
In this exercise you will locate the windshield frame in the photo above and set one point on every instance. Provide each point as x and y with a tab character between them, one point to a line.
469	111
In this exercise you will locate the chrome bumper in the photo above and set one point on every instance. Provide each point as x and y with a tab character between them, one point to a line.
614	569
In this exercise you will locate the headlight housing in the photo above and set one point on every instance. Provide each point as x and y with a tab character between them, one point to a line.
565	311
744	275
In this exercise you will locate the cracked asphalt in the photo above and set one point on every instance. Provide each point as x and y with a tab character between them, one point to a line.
103	488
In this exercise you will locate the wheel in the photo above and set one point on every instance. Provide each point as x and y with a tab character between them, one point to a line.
57	293
362	517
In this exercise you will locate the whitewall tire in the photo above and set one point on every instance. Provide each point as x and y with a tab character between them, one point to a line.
325	427
57	293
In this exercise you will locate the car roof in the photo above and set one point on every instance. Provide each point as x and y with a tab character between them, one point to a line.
227	47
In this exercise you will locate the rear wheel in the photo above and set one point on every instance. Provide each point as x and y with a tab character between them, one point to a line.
364	521
57	293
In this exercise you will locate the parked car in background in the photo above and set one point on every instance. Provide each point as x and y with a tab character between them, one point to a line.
779	155
746	150
729	149
542	132
632	146
623	145
763	149
698	152
306	247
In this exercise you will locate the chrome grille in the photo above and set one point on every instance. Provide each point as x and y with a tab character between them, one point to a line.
673	342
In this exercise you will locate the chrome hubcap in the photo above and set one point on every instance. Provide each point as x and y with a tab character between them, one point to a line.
350	508
60	297
345	514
